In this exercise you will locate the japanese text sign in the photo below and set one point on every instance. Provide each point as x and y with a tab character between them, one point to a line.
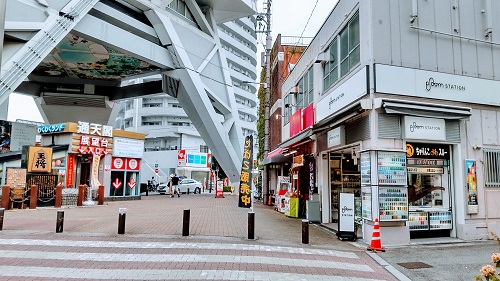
40	159
245	196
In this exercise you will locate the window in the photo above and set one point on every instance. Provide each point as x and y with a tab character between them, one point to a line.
305	95
343	50
203	149
288	108
491	162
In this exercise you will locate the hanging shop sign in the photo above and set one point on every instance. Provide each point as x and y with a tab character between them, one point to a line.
471	181
420	128
39	159
245	192
298	161
427	151
94	180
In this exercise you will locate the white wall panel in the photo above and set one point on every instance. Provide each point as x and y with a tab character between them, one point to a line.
444	45
467	29
489	127
484	55
395	32
426	40
409	39
381	31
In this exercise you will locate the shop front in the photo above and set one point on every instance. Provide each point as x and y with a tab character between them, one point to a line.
97	155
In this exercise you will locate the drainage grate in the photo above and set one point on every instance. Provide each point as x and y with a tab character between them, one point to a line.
414	265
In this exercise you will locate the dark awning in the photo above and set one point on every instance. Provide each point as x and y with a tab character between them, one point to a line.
428	110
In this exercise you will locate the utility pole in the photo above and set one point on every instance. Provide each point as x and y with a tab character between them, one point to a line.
265	172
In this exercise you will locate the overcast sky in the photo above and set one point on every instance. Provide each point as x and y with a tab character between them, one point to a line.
289	18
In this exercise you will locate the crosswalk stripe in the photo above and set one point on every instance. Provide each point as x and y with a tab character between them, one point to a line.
159	274
108	257
177	245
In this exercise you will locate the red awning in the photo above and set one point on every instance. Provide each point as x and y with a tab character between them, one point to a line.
275	152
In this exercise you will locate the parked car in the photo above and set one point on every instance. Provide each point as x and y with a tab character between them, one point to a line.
185	184
193	186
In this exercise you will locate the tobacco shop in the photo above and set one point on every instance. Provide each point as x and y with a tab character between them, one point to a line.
429	195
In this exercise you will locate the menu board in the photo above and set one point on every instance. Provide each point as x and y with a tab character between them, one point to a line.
391	167
393	203
366	202
365	167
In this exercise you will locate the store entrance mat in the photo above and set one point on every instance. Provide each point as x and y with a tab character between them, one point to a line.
414	265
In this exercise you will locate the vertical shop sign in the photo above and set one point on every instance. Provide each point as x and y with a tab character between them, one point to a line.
245	196
70	167
95	171
312	179
471	181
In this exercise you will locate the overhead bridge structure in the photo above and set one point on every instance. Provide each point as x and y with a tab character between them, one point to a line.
78	56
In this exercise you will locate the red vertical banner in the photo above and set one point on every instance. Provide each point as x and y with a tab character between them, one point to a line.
70	167
245	194
296	122
308	117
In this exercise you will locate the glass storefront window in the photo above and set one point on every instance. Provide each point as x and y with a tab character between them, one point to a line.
120	175
425	190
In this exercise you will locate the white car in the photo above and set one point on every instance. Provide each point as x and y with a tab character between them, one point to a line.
192	185
185	184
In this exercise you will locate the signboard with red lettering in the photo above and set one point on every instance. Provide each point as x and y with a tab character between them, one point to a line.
219	191
70	167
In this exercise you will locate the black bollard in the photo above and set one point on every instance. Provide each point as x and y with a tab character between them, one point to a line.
60	221
188	190
251	225
185	223
2	211
121	220
305	232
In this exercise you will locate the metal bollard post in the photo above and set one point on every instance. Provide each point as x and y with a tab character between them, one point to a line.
2	212
60	221
185	222
121	220
188	191
251	225
305	231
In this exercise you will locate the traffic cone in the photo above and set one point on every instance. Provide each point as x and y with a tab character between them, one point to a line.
376	243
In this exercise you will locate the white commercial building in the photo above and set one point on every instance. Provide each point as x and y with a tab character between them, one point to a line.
397	102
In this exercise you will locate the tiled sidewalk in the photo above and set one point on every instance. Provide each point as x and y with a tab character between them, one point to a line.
153	247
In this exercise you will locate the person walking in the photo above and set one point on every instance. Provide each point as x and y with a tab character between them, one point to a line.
174	183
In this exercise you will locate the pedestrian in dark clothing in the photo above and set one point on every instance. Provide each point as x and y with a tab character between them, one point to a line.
174	182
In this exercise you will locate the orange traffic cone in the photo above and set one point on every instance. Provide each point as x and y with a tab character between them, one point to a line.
376	243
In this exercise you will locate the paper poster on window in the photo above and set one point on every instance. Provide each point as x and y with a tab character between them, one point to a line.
471	183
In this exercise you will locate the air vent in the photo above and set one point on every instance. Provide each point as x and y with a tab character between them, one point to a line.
74	100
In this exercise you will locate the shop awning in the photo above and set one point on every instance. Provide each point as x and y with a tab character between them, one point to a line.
428	110
277	156
297	138
341	116
275	152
